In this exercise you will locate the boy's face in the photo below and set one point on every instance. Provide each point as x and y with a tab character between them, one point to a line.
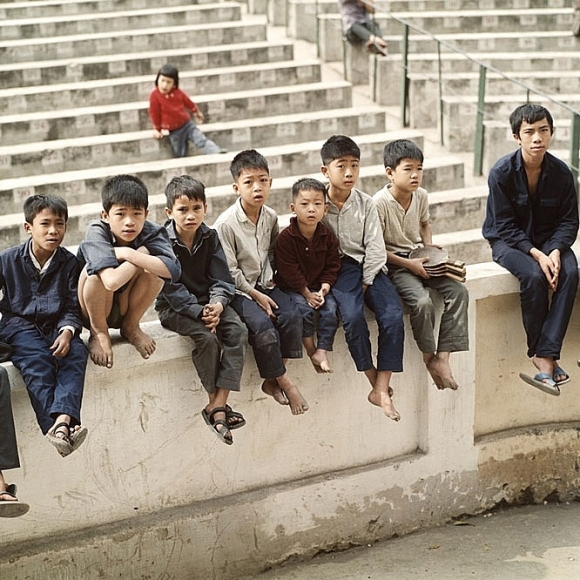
47	231
165	84
253	186
188	215
342	172
309	206
125	222
407	176
534	138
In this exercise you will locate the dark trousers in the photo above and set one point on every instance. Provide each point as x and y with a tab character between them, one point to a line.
218	356
382	298
271	340
55	384
8	449
360	32
545	321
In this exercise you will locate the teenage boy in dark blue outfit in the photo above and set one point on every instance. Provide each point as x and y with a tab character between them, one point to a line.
41	321
531	224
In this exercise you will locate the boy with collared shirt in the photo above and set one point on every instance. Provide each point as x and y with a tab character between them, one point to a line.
41	321
307	263
248	231
531	223
362	280
197	305
403	210
126	258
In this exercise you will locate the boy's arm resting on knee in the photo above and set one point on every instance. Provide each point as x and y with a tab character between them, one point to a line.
141	258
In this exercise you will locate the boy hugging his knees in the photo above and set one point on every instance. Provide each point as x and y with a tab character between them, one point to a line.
308	262
126	258
362	280
403	210
41	320
248	231
197	305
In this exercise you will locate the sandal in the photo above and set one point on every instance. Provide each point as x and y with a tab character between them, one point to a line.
10	508
63	442
234	419
218	426
77	436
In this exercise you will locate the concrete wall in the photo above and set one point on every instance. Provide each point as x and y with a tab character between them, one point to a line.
153	493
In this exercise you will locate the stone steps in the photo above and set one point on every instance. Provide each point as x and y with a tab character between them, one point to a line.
193	82
130	41
119	20
119	66
294	159
133	116
18	160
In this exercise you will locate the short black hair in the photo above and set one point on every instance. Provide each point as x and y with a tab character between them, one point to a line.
168	70
124	190
530	113
248	159
184	185
395	151
338	146
34	204
307	184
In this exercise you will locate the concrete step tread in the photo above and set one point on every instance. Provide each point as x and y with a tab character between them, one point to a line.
505	98
207	127
133	106
469	75
119	14
143	55
482	56
19	42
183	75
190	162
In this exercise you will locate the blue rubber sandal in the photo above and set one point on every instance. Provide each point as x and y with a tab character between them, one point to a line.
542	381
560	371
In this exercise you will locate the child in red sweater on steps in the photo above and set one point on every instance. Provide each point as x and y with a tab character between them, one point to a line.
170	111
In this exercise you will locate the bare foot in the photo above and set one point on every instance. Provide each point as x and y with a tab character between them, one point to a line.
143	343
441	374
320	361
384	401
297	402
271	387
101	349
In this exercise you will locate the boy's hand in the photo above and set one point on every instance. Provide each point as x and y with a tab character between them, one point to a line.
315	299
415	265
61	345
265	302
211	315
198	116
157	134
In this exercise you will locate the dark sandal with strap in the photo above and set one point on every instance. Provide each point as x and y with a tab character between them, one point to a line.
63	444
238	419
218	426
10	508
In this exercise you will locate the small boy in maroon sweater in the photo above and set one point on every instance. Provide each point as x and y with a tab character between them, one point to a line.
307	261
170	111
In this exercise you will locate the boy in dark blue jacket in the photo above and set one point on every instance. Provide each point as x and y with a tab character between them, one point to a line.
197	305
41	320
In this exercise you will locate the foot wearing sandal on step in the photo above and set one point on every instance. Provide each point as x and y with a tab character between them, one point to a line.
216	419
219	398
10	506
65	438
544	378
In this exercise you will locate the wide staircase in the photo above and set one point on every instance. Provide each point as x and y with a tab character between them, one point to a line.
269	74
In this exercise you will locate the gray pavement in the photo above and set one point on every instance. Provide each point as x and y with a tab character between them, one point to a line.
520	543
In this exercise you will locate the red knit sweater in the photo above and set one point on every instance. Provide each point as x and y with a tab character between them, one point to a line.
170	111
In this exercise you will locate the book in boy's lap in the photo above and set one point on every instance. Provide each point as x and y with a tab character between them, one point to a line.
439	264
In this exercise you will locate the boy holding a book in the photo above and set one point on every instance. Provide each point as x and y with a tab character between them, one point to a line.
403	210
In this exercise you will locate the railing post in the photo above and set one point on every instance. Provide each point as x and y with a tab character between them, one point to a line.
478	146
405	84
574	146
441	127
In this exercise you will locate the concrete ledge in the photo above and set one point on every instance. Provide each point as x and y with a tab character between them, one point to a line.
176	500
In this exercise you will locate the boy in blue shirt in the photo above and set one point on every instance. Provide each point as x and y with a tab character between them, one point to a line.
125	258
41	321
197	305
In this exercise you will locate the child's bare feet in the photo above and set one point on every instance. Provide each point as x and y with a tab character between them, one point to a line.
101	349
440	372
320	361
297	402
271	387
143	342
383	400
